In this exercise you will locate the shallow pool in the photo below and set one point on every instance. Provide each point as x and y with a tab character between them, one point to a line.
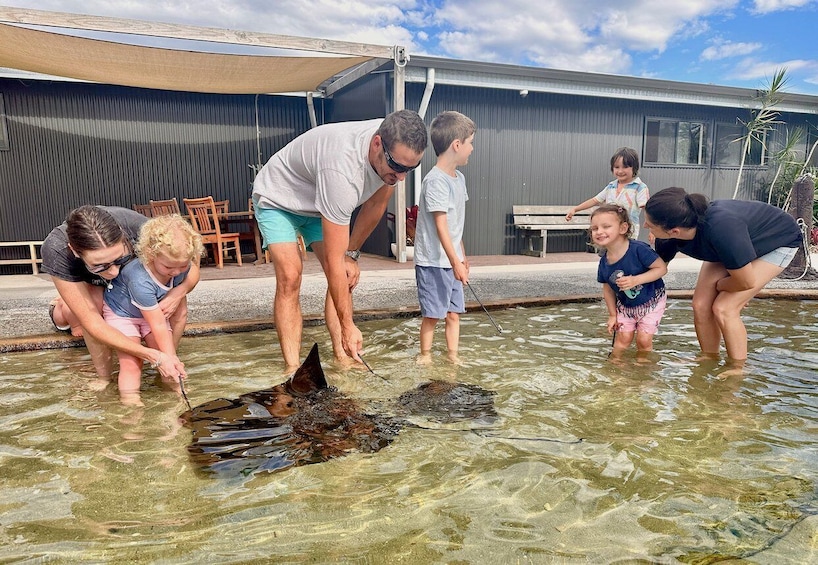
658	460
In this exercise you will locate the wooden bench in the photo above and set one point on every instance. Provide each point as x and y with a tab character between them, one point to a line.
33	258
534	222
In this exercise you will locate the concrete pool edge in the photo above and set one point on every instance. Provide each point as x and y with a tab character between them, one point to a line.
194	329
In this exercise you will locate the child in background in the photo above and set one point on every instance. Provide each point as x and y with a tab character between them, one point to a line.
166	248
631	276
627	190
441	267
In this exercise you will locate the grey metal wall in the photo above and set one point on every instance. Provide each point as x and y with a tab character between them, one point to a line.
72	144
555	150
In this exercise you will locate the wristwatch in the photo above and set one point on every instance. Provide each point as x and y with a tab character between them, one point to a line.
354	254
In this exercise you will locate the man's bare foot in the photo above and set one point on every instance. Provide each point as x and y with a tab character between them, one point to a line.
347	362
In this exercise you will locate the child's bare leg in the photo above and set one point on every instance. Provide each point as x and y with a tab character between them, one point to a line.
622	343
453	335
427	336
172	383
130	378
644	341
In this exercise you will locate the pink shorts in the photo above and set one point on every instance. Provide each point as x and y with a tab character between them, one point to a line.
131	327
647	323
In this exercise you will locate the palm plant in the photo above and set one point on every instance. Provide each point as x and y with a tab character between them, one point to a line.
762	120
787	157
806	169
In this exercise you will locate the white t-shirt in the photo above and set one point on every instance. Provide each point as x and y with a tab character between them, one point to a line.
322	172
440	193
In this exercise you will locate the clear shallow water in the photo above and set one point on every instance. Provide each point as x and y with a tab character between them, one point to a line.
659	461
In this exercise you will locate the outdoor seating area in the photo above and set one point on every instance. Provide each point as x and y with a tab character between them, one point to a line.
222	230
534	222
24	253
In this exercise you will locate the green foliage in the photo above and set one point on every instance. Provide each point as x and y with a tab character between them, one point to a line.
763	119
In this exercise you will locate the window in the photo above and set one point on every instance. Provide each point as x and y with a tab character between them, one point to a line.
730	139
676	142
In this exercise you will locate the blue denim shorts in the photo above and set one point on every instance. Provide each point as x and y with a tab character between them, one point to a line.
780	257
439	292
281	226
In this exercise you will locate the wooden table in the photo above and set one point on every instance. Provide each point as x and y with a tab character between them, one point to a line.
244	223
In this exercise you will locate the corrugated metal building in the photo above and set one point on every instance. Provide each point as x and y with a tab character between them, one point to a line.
544	137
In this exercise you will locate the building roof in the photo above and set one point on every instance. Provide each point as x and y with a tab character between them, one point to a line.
535	79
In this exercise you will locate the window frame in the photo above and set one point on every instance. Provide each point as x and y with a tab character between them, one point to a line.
709	144
705	142
762	147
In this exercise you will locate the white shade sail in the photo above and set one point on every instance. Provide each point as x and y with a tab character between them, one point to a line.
108	62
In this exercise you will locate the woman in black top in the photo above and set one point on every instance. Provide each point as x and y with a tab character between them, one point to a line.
82	255
744	245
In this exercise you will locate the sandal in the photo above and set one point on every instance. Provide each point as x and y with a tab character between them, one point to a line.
51	307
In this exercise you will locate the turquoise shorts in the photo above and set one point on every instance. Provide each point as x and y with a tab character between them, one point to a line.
280	226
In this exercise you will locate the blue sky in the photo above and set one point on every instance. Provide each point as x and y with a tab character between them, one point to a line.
725	42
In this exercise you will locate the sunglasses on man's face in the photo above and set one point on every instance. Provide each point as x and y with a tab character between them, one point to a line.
96	269
394	165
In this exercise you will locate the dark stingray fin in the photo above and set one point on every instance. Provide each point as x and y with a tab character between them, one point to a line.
309	376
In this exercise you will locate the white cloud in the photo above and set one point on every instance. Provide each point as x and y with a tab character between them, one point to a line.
767	6
753	69
727	49
643	36
577	34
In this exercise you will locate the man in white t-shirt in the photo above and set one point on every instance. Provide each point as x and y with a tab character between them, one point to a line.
311	187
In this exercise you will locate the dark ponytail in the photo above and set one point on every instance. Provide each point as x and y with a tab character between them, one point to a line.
674	208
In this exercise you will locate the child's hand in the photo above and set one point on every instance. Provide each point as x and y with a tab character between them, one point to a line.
612	324
625	282
570	214
461	272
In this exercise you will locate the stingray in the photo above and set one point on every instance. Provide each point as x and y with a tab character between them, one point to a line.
304	420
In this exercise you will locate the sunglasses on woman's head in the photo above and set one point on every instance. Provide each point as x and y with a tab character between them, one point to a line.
394	165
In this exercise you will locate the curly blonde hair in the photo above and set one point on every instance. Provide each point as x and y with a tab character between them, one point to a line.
171	236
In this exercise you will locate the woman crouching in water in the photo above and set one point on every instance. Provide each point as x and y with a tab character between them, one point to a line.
743	246
83	255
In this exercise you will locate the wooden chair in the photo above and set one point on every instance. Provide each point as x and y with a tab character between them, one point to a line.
205	219
144	209
164	207
222	206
